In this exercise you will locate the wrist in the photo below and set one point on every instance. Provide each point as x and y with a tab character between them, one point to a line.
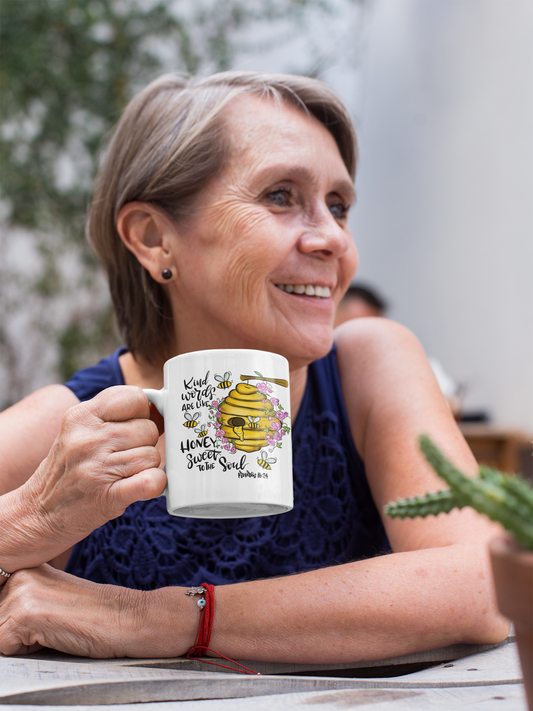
25	536
160	623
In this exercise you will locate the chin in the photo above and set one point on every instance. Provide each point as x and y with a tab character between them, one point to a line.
310	347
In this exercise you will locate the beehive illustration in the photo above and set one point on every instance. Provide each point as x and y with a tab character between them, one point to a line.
238	418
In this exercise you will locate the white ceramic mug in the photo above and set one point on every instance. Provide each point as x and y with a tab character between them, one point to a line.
227	434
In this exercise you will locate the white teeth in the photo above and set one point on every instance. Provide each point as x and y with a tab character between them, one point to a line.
322	292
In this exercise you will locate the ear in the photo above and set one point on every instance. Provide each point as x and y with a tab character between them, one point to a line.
148	232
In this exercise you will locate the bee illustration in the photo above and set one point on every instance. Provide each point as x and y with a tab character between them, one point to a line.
224	382
265	461
254	422
192	420
202	430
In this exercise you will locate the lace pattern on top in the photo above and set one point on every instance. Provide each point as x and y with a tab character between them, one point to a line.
334	520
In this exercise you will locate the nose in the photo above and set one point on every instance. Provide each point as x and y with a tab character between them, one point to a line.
325	236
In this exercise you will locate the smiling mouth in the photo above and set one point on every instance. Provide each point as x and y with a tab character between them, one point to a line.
321	292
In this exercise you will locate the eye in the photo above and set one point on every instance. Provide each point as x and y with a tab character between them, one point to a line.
339	210
282	197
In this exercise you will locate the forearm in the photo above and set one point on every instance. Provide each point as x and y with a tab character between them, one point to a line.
26	537
372	609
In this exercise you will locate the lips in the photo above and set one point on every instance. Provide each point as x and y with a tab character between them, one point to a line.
321	292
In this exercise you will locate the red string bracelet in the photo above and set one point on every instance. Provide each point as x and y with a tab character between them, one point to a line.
206	605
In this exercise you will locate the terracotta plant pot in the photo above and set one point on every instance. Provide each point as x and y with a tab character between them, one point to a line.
513	575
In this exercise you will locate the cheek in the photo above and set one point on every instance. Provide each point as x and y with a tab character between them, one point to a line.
352	259
250	244
348	267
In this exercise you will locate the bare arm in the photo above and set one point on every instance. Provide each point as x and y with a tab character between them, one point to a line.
436	587
28	430
434	590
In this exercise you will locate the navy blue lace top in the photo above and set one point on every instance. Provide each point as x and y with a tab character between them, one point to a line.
334	519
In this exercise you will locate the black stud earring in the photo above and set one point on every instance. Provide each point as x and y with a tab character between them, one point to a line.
166	274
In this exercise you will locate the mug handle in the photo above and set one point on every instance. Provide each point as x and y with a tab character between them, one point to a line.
156	397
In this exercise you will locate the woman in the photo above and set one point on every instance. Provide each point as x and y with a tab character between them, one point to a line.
218	201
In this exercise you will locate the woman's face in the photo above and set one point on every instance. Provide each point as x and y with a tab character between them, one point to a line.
272	224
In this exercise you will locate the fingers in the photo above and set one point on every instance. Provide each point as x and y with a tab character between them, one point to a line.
145	485
129	462
103	443
118	436
156	417
50	608
83	433
16	615
27	650
125	412
119	404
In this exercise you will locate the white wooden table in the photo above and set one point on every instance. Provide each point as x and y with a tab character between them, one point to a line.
487	679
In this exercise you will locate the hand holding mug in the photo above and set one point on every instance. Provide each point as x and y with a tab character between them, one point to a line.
103	460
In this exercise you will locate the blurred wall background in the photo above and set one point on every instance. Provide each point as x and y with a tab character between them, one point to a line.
444	222
441	92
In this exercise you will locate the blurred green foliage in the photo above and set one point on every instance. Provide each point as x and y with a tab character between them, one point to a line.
67	69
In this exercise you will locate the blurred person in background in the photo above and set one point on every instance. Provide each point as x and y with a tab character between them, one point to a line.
359	301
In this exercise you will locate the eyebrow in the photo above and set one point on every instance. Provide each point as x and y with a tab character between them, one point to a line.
282	171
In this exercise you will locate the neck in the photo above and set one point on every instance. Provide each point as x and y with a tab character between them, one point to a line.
140	373
298	378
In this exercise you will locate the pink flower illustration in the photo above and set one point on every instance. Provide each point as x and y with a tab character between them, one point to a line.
214	403
276	436
219	433
281	415
275	401
262	387
264	401
276	425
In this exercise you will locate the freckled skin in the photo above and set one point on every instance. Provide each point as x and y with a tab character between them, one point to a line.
251	237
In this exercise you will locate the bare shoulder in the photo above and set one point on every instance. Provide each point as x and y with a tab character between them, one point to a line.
391	397
27	431
364	338
380	361
387	380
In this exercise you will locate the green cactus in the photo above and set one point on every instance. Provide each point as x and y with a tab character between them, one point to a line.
504	498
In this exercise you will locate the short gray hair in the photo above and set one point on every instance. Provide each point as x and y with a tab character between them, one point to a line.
169	143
